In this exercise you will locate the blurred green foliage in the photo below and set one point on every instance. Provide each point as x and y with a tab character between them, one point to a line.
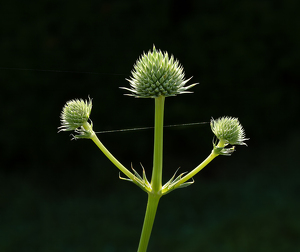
56	194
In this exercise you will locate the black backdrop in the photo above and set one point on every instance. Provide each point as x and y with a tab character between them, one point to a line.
62	195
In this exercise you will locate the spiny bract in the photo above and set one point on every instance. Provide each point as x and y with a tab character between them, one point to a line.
155	74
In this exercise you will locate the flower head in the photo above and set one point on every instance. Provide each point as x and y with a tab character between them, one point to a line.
229	130
156	74
75	114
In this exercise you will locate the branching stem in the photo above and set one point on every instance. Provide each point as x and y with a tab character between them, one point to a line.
96	140
200	166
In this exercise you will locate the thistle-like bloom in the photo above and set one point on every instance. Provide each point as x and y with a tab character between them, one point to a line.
155	74
229	130
75	114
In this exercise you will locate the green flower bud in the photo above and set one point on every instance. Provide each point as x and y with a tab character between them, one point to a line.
75	114
228	130
155	74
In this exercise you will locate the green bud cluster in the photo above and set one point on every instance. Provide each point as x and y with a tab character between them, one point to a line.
229	130
75	114
155	74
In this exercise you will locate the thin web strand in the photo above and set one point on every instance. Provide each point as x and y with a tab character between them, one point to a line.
145	128
56	71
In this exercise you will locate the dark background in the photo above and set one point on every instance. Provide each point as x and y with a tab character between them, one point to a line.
62	195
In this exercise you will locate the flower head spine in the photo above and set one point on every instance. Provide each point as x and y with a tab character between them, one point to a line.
156	74
229	130
75	115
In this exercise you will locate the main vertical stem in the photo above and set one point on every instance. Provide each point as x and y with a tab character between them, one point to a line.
148	221
156	181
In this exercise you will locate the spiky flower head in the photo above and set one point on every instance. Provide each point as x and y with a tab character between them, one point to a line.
229	130
156	74
75	114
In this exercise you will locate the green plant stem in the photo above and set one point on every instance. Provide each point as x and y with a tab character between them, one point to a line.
152	204
200	166
197	169
156	180
96	140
